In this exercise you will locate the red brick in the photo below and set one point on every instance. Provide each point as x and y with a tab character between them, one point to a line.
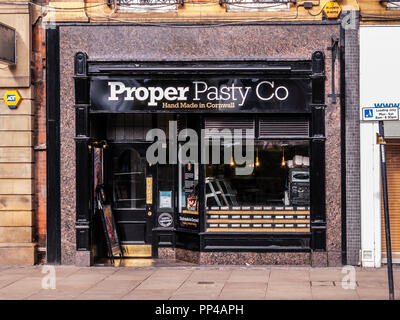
39	52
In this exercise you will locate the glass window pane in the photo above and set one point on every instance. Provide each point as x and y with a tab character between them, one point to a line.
280	177
129	181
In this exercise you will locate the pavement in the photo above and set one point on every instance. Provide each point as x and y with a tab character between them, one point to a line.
182	282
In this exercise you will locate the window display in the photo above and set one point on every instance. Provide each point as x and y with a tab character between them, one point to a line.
189	192
275	197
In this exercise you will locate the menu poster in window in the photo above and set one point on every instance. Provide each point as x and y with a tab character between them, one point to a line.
189	219
110	230
165	199
189	215
97	170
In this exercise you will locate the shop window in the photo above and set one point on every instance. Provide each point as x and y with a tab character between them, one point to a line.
257	5
273	197
129	179
146	5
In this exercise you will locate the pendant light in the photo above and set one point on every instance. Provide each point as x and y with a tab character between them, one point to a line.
283	162
232	162
257	160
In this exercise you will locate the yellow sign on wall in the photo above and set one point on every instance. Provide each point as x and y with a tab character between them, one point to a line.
12	99
332	10
149	190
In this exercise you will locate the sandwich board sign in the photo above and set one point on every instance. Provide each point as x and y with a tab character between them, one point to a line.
380	114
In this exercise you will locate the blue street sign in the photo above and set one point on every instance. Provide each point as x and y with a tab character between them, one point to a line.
368	113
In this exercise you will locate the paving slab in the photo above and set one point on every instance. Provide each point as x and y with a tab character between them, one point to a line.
373	293
156	284
24	271
103	296
194	296
333	293
372	284
210	275
289	276
249	275
287	285
244	290
96	270
322	283
288	293
60	272
89	278
325	274
178	275
146	294
208	289
21	289
9	280
131	274
51	294
112	287
78	286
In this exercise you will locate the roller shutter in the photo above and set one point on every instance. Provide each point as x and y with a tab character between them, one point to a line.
229	126
393	177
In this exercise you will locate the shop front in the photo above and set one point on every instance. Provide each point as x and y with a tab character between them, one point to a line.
209	161
206	157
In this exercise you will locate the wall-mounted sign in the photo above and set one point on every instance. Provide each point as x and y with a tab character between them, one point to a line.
165	199
332	10
380	114
8	45
12	99
165	220
201	95
149	190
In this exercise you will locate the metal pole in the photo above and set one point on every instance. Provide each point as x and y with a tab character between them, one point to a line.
386	210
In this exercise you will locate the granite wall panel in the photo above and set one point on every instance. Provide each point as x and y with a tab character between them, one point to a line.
352	146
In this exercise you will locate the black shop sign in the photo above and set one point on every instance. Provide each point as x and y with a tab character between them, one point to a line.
200	95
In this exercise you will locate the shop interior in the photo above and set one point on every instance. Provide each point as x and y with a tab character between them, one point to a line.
280	177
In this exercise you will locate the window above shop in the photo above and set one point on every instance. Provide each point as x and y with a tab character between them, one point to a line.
146	5
257	5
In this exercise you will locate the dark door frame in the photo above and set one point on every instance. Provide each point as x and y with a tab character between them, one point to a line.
53	208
